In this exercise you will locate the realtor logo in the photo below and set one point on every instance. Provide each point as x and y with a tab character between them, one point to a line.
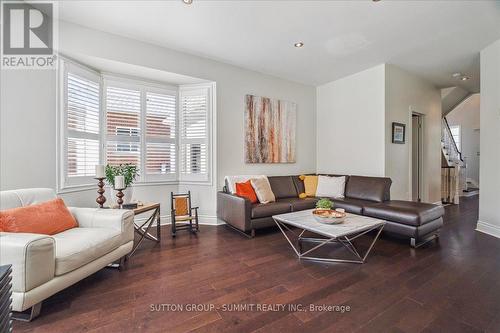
28	35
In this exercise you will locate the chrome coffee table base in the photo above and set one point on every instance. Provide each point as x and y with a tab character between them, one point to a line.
345	241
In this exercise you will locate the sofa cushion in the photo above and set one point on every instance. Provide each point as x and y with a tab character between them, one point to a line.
299	184
283	187
405	212
270	209
300	204
375	189
407	231
354	206
25	197
78	246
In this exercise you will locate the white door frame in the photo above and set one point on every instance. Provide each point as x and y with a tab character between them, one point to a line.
421	182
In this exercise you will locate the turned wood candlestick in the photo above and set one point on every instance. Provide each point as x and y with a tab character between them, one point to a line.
101	199
120	195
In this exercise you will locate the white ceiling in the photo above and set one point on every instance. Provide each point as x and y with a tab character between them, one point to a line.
431	38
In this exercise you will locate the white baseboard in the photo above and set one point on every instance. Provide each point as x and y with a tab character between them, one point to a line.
209	220
469	194
488	228
473	182
204	220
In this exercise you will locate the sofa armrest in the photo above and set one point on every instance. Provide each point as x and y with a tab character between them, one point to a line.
32	257
234	210
120	219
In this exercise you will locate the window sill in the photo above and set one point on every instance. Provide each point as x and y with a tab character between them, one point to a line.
77	188
89	187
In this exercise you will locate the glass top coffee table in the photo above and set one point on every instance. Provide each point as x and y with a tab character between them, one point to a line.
353	227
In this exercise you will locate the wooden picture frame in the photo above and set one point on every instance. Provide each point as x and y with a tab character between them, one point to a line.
398	133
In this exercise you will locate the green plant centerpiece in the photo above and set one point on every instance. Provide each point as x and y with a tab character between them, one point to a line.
324	203
128	171
324	212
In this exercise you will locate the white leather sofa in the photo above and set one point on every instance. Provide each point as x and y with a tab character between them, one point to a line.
42	265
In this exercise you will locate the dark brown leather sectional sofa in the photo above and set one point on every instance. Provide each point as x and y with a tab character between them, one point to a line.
369	196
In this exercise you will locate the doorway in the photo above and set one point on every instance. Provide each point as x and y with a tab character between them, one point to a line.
416	156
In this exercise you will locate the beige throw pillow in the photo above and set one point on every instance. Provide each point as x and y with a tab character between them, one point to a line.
263	190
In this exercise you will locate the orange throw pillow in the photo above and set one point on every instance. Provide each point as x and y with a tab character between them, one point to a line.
49	218
246	190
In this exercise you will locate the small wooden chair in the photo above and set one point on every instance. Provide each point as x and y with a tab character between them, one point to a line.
183	214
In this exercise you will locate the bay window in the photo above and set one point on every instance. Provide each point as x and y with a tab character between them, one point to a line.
163	130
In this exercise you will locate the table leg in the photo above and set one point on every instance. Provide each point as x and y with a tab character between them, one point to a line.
143	230
158	226
344	241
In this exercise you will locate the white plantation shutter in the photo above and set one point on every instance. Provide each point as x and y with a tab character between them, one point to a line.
123	125
194	133
164	130
161	121
82	104
81	122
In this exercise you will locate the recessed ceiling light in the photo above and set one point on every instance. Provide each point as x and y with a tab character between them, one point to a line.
299	44
464	78
187	2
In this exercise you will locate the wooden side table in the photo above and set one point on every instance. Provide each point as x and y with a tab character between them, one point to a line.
144	229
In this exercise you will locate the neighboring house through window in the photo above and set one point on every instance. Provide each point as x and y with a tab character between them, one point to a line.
126	131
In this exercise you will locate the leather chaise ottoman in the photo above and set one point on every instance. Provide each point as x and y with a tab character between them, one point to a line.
416	220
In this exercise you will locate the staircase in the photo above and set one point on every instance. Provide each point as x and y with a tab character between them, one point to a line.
453	167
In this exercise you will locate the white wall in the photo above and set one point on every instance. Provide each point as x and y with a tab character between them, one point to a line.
466	115
27	128
350	124
354	124
489	174
38	107
407	93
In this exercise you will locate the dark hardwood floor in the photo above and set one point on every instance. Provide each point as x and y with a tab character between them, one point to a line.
452	286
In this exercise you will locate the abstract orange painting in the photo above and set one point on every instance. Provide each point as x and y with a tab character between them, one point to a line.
269	130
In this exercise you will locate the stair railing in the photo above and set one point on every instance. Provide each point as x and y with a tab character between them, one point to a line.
454	159
454	155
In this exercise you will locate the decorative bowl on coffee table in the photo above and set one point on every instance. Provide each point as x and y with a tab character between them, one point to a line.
329	216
